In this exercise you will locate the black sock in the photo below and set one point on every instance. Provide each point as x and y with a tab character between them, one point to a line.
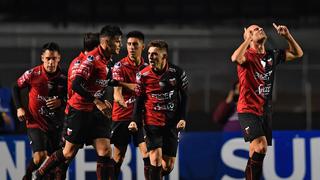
61	170
146	169
117	169
55	159
105	168
31	167
155	172
254	166
166	172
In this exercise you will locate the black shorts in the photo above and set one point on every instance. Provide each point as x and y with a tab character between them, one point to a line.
44	141
120	134
83	127
254	126
162	137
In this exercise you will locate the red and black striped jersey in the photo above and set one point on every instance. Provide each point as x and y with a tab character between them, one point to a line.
256	77
95	71
74	65
125	71
43	86
164	95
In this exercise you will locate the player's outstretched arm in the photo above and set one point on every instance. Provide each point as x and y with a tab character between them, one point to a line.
294	50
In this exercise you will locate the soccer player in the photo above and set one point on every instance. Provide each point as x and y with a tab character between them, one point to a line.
84	122
47	91
256	68
125	72
161	103
90	41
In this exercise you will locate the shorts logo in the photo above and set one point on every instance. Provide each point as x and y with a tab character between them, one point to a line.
247	130
69	131
30	142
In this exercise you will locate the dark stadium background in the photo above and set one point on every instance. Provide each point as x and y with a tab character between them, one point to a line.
202	35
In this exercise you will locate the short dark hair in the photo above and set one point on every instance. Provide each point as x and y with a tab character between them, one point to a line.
51	46
90	41
159	44
135	34
111	31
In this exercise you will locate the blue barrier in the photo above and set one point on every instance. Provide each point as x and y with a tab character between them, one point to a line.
295	155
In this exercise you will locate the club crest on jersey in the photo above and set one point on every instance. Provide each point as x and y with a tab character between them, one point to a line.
90	58
247	130
69	131
138	76
269	61
172	81
263	63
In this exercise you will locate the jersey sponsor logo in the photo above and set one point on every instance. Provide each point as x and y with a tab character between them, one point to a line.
99	93
163	96
266	76
46	112
102	82
264	89
164	107
131	100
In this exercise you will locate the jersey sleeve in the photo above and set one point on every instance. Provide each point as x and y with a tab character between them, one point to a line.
86	68
184	84
117	72
25	79
140	88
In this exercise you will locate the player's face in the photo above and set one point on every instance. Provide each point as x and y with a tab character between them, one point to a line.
135	47
157	58
114	44
50	60
258	34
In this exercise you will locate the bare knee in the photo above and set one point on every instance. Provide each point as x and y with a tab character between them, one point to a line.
167	165
166	169
119	153
70	153
259	145
39	157
262	149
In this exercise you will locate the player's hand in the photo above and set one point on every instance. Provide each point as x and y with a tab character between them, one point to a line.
21	114
122	103
247	34
229	98
181	125
281	30
133	127
103	107
120	100
53	103
113	83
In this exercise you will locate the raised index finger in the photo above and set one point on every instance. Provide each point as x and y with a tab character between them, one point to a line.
274	25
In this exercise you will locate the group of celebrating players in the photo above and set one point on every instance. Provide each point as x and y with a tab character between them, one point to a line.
66	112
